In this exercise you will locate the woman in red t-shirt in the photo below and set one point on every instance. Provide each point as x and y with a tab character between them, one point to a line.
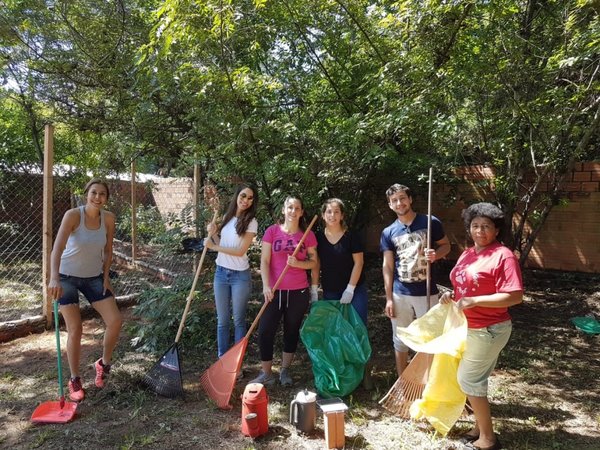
486	280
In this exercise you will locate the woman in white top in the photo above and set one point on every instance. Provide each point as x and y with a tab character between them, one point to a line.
232	283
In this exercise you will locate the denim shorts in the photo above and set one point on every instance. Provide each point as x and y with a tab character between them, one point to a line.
92	288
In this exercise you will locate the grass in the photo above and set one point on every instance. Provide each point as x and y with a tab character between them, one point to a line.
544	392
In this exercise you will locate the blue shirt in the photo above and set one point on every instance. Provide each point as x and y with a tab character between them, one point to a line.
408	243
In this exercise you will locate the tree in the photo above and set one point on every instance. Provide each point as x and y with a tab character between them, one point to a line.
523	96
318	97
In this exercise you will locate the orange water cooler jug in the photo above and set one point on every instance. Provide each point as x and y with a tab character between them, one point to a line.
255	419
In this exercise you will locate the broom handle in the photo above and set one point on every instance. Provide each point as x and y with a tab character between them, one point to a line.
196	276
280	279
429	235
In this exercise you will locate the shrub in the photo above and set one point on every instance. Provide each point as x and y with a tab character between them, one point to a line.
159	313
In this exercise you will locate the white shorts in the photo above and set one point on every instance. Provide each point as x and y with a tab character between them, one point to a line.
406	309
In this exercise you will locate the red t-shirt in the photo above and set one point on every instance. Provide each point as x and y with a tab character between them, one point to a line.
282	246
494	269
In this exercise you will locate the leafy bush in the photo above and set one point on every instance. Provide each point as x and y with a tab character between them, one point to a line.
159	313
149	224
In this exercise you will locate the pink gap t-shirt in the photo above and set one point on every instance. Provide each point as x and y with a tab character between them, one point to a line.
282	246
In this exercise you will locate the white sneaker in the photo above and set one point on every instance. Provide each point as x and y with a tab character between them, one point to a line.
264	379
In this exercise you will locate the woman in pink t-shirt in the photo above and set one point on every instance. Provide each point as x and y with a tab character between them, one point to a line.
486	280
291	300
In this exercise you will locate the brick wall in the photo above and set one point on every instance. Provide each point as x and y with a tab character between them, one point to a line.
569	240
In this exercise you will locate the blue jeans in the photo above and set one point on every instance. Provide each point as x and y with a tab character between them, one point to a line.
232	289
359	300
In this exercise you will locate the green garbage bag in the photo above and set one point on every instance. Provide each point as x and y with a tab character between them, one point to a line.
338	345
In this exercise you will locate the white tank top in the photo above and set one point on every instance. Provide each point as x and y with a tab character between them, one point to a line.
84	253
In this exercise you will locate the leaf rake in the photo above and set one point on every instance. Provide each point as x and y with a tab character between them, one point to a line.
164	377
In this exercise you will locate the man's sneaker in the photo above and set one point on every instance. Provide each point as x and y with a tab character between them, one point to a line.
102	372
264	379
285	378
76	392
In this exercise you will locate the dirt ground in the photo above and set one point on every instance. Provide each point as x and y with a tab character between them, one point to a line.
545	392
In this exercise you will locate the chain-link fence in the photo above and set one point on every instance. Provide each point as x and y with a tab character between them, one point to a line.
170	220
20	245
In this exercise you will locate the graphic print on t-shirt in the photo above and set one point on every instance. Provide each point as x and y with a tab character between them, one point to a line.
287	245
464	273
412	265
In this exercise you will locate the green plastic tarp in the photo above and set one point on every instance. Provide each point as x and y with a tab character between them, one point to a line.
337	343
587	324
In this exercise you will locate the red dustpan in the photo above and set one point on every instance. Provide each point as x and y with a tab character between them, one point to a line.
60	411
54	412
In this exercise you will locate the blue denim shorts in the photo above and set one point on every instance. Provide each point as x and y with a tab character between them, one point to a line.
92	288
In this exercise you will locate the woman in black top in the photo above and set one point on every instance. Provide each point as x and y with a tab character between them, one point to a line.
340	267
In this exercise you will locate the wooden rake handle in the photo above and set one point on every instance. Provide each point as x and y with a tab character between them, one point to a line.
280	279
429	234
196	276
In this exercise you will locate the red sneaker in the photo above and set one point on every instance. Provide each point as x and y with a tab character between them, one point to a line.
102	372
76	392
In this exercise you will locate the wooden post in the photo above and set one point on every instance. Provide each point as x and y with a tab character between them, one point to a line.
335	435
196	199
133	214
47	219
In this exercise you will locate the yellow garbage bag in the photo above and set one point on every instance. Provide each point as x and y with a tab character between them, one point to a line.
442	331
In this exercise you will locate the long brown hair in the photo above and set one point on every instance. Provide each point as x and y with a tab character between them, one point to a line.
303	222
342	207
246	217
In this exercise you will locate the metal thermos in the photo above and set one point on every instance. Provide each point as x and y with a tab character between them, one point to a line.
303	411
255	419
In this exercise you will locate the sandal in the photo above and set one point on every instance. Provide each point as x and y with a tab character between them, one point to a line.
466	438
497	446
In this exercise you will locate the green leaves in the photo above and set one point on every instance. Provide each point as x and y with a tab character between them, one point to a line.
317	97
